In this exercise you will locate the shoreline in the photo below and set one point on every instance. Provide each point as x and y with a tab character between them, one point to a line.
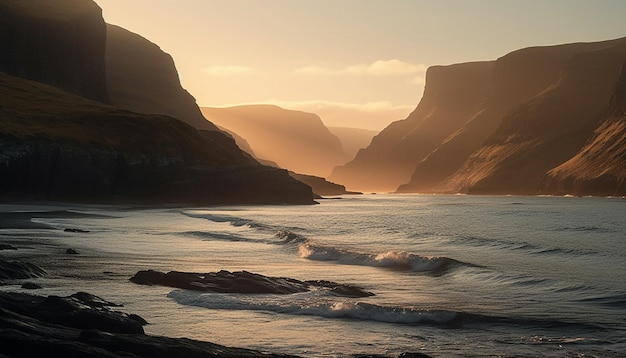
32	324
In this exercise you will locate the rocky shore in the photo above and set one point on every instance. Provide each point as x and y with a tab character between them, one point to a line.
85	325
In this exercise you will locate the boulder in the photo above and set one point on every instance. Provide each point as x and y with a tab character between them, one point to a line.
241	282
81	326
18	270
31	286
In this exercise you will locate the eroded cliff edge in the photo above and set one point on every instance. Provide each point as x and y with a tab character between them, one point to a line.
59	141
503	129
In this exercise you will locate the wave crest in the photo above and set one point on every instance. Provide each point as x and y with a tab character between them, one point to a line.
311	304
397	260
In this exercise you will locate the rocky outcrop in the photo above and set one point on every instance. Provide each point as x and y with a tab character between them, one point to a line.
297	141
83	325
241	282
495	127
142	78
18	270
321	186
61	43
57	146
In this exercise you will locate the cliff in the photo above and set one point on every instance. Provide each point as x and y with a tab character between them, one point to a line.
599	168
61	43
57	143
498	127
58	146
546	130
453	94
142	78
295	140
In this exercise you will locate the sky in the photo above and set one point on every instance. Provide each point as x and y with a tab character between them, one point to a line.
355	63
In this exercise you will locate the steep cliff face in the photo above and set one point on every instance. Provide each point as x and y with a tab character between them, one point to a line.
142	78
548	129
493	127
59	42
294	140
599	168
452	96
58	146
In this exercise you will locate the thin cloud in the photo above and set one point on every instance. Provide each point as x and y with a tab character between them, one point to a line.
378	68
224	71
386	68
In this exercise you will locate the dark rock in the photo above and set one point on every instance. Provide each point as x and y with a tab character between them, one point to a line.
18	270
7	247
71	252
240	282
341	289
31	286
75	230
36	326
80	311
413	355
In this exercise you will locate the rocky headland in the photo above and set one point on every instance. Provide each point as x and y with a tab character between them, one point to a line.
71	130
522	124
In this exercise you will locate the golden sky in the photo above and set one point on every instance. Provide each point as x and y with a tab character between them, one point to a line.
356	63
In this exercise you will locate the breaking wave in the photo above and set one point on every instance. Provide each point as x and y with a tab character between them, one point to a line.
397	260
311	304
316	303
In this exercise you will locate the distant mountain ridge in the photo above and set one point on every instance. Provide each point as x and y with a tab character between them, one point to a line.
295	140
61	139
353	139
498	127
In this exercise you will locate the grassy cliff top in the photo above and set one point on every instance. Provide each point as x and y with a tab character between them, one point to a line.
33	109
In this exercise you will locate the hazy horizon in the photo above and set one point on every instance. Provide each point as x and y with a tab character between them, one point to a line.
357	64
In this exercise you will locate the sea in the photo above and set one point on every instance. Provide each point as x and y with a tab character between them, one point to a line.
452	275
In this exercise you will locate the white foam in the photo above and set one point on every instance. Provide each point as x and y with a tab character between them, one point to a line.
400	260
313	303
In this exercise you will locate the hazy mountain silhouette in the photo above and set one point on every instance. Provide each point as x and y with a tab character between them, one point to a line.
353	139
63	146
142	78
392	155
494	127
295	140
320	186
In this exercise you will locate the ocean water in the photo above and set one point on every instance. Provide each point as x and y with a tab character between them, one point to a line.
453	276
